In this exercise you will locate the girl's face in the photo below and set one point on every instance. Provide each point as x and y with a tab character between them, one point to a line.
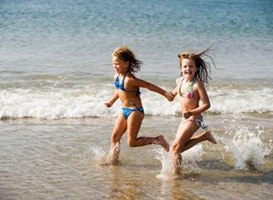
119	65
188	68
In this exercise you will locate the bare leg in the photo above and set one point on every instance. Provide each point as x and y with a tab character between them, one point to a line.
119	129
134	122
183	141
206	135
162	141
114	154
210	137
177	161
184	134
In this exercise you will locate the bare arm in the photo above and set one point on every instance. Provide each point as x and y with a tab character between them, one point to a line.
114	97
174	91
154	88
112	100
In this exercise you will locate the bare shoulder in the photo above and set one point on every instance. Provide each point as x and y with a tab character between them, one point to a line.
131	77
199	85
178	80
137	81
132	81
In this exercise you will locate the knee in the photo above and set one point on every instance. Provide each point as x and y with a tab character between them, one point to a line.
115	138
175	149
131	143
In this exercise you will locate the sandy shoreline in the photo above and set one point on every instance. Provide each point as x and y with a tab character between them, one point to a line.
59	159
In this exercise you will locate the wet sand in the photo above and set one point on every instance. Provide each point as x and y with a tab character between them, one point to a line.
60	159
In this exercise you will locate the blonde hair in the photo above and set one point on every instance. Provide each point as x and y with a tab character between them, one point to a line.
126	55
203	67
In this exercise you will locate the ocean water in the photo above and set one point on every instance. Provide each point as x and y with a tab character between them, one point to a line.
56	73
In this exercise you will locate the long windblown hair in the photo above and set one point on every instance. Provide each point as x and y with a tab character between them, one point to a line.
203	67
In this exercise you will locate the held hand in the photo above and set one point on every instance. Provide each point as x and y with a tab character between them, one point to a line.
169	96
187	114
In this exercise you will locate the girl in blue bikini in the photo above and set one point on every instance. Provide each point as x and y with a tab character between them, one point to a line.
194	73
127	90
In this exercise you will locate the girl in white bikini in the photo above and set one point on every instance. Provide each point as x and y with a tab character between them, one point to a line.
194	73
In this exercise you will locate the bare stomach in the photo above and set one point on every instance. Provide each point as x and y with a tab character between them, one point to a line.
188	106
132	102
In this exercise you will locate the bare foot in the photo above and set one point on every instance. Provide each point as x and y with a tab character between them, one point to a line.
112	158
176	173
210	137
109	160
161	140
105	162
108	163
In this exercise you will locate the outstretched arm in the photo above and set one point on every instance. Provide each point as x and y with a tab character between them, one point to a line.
111	101
154	88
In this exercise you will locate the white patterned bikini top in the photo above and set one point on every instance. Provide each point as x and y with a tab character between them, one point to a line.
186	90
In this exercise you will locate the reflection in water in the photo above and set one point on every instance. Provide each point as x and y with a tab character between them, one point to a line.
61	160
124	186
174	189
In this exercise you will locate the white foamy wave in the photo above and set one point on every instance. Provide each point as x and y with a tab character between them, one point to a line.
155	104
81	102
59	103
53	104
241	100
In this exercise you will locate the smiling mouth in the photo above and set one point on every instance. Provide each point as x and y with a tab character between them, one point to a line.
188	72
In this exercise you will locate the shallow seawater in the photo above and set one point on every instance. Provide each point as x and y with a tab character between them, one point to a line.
56	72
61	159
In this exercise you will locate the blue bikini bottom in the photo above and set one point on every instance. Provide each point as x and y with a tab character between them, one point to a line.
128	111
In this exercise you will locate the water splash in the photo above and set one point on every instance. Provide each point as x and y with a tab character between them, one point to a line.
166	163
95	153
98	152
189	158
247	146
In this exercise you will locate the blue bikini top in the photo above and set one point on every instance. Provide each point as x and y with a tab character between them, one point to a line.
121	86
